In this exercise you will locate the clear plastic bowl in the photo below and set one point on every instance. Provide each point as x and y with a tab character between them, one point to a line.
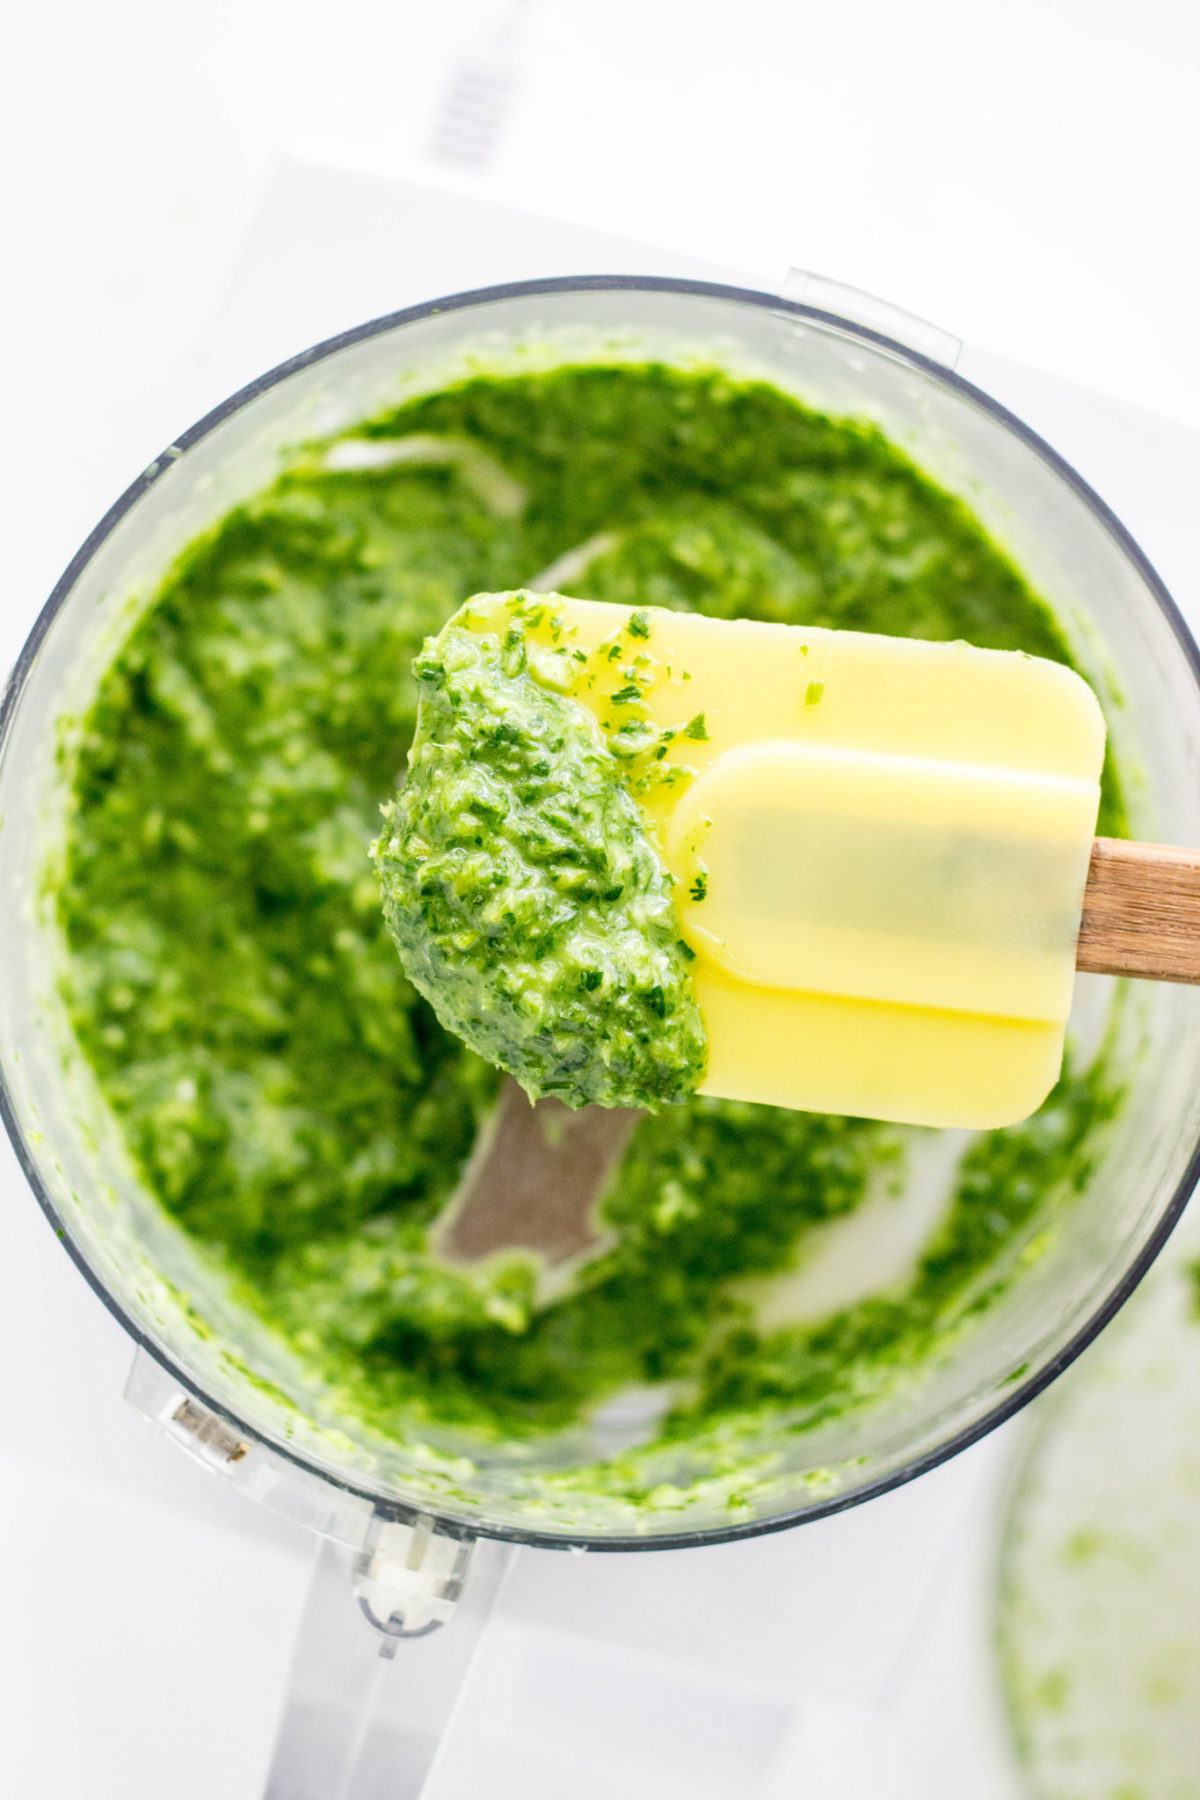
1128	639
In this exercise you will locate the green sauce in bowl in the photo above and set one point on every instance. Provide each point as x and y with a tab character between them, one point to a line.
282	1086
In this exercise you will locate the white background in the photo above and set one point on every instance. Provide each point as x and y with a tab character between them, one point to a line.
1026	172
1027	175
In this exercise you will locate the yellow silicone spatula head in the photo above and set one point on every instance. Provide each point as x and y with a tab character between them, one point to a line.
879	847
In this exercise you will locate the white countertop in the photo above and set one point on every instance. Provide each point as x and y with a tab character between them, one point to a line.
148	1612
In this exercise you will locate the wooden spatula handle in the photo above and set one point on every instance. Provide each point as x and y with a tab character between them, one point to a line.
1141	912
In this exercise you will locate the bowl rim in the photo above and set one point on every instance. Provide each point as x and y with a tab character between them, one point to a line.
1021	1392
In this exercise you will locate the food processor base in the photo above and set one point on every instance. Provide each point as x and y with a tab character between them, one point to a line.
661	1601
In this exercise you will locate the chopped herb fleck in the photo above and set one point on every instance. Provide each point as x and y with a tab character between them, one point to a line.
696	728
813	692
632	739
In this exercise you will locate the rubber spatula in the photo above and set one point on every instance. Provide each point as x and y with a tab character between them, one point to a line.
883	853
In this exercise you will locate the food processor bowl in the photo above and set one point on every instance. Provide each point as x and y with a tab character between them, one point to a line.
228	1383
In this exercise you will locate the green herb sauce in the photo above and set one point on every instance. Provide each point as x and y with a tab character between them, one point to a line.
284	1088
528	903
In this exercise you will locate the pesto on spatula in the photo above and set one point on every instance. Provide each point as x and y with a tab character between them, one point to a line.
523	891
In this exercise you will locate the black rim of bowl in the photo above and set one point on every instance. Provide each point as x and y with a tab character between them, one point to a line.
1021	1392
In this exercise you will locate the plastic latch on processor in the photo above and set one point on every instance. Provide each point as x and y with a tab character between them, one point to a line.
868	310
408	1568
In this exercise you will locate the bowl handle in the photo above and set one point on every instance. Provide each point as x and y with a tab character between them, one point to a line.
384	1647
